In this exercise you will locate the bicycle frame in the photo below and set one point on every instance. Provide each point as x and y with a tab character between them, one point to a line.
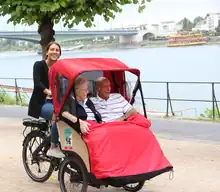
45	143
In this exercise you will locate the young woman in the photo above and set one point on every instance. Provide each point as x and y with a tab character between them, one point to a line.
40	104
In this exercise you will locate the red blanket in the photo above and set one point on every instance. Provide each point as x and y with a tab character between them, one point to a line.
124	148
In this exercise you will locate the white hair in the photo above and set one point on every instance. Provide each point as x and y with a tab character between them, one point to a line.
80	81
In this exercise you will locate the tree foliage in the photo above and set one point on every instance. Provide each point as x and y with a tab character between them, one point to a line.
197	20
187	25
71	12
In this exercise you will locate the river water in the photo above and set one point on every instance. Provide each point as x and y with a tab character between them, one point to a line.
197	63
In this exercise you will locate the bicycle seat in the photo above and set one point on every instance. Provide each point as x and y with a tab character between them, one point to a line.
41	123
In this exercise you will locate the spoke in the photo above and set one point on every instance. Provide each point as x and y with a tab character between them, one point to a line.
39	165
70	184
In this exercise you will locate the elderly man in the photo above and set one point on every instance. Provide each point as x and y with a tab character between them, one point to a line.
111	106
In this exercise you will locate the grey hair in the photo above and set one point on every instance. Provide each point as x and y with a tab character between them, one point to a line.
80	80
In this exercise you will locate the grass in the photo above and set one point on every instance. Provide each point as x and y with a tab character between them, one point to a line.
8	99
203	119
206	116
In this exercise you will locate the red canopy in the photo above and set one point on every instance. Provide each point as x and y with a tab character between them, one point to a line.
72	67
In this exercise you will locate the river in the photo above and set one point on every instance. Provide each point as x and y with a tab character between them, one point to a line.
196	63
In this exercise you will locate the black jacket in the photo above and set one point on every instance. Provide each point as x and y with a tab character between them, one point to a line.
41	82
74	108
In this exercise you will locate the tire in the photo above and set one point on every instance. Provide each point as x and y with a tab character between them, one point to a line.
138	187
77	163
28	138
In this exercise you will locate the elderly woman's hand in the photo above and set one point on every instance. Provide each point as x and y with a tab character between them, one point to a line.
84	126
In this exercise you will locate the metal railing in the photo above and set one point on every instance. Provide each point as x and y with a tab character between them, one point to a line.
19	90
169	99
14	88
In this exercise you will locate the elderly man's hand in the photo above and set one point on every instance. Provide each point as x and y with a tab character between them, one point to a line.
122	118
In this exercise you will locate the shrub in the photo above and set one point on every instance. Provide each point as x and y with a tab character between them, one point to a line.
9	99
208	113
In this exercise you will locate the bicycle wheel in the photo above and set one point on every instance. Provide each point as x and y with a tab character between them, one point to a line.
134	188
41	157
77	172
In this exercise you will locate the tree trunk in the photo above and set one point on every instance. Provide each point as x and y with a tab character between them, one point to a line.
47	33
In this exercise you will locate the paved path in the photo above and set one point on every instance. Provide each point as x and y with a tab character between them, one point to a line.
196	164
206	132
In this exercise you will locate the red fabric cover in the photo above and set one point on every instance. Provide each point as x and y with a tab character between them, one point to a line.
119	79
72	67
124	148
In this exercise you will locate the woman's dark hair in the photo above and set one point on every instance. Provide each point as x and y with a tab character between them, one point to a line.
52	43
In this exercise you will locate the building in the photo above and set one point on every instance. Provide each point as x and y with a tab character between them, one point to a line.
210	22
201	26
168	26
160	29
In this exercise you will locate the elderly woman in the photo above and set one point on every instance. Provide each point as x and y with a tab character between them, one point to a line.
80	107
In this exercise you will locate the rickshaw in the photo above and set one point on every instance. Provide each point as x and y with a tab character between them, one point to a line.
92	159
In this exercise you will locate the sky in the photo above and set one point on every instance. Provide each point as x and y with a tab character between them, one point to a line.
155	12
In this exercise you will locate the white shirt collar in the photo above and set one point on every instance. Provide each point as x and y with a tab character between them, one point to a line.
82	103
101	99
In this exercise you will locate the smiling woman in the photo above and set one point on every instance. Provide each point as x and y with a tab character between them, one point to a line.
40	104
41	89
53	52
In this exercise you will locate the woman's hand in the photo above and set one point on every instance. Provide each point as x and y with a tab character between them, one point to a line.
49	94
49	97
84	126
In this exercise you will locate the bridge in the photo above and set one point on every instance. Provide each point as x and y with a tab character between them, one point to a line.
125	35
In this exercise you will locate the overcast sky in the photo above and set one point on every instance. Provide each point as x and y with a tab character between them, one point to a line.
155	12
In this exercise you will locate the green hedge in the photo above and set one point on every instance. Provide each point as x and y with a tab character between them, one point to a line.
208	113
8	99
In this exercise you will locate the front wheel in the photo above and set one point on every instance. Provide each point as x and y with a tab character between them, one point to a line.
134	187
36	137
77	174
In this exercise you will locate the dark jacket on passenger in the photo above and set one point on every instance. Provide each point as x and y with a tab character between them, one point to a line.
74	108
41	82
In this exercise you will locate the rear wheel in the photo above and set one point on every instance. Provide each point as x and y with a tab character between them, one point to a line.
36	137
73	170
134	187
